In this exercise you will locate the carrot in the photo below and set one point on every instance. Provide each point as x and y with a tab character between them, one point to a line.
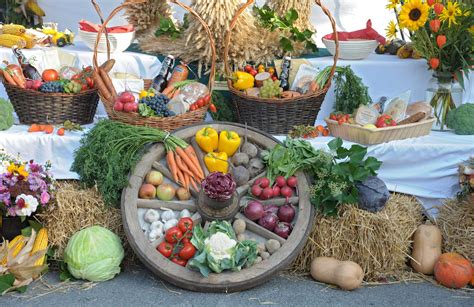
34	128
8	77
186	180
99	83
172	164
180	177
108	82
188	162
193	183
18	81
192	154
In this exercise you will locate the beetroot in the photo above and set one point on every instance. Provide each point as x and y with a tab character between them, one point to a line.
254	210
283	229
286	213
268	221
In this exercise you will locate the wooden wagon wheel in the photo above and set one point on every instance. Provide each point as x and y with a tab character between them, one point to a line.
226	281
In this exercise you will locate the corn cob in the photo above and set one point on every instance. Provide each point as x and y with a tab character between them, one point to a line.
30	41
9	40
20	242
13	29
41	243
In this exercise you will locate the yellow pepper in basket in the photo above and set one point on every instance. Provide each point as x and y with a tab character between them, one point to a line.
217	162
208	139
229	142
242	80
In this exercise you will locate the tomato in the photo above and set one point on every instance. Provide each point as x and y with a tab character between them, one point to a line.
173	235
50	75
186	239
185	224
165	248
179	261
253	72
333	116
213	108
200	102
187	252
193	107
207	99
340	121
87	69
84	87
77	76
248	68
90	82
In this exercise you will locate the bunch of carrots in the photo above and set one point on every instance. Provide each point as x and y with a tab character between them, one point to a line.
184	165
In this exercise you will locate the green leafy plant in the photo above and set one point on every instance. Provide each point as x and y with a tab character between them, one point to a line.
270	20
349	90
167	27
225	111
334	183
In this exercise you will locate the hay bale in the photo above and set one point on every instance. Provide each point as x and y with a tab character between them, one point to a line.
74	209
379	242
456	222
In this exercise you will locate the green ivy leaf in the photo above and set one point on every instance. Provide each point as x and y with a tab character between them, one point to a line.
286	44
373	164
6	282
291	16
335	144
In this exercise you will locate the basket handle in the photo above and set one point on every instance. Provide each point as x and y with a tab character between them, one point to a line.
250	2
184	6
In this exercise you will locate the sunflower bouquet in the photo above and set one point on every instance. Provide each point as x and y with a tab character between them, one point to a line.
442	33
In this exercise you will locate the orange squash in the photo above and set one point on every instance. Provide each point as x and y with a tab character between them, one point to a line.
472	279
453	270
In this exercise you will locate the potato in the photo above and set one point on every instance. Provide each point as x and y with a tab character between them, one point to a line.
239	226
426	248
346	275
272	246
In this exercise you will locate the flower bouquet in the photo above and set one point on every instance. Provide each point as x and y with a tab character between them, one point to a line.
25	187
442	33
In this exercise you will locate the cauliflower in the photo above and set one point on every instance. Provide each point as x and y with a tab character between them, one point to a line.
220	246
461	119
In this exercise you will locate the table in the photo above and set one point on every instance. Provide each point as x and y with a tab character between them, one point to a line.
140	65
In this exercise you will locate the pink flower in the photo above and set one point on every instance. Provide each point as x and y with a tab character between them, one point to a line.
45	198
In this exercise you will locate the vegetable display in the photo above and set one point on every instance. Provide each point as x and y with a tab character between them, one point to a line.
219	250
94	254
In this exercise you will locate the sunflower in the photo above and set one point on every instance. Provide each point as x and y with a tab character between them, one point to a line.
18	169
450	12
392	4
414	14
391	30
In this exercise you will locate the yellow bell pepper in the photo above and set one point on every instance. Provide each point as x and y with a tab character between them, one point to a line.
217	162
242	80
229	142
208	139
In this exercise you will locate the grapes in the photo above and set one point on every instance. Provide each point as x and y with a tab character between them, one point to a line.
270	89
52	87
158	103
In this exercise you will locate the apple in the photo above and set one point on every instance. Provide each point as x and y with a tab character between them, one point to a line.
165	192
129	107
135	107
183	194
118	106
126	97
147	191
154	177
37	84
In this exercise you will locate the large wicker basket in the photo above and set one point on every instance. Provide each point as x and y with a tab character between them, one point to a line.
165	123
35	107
366	136
277	116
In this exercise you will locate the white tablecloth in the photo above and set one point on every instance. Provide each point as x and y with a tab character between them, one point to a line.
387	75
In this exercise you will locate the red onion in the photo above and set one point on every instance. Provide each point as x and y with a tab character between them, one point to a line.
283	229
271	209
286	213
268	221
254	210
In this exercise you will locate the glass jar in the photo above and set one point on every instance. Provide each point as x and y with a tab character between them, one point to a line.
443	94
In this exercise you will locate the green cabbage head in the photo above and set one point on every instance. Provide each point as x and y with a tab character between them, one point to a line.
94	254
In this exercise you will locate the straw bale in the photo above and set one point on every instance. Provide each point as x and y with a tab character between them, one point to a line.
379	242
456	222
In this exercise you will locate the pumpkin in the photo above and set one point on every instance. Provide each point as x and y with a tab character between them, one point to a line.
426	248
453	270
472	278
346	275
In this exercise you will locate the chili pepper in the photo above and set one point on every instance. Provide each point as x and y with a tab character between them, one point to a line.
217	162
208	139
229	142
242	80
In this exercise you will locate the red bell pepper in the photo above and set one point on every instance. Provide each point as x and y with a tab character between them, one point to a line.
385	121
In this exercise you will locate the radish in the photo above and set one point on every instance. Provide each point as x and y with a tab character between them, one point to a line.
265	182
280	181
292	182
276	191
267	193
256	191
286	191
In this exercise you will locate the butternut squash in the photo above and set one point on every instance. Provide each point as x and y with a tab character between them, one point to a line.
346	275
426	248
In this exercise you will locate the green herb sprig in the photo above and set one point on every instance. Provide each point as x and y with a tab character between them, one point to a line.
270	20
349	90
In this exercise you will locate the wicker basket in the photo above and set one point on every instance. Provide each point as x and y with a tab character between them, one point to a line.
165	123
366	136
277	116
35	107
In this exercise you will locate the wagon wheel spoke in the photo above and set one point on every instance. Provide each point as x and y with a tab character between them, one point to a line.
259	230
157	241
196	218
173	205
200	156
280	201
164	170
241	191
